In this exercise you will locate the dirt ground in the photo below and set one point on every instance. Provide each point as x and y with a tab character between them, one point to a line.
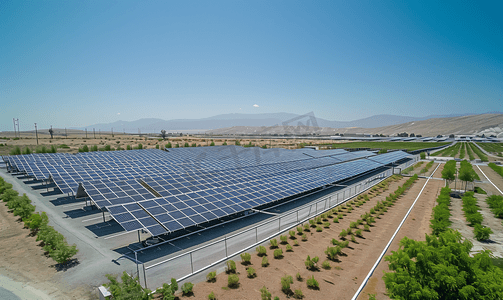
74	141
415	227
22	260
459	222
347	273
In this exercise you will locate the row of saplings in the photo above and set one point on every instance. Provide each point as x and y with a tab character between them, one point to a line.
443	266
128	287
54	243
317	224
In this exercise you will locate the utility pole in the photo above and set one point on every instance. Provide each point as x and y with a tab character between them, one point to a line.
94	133
86	133
112	132
66	133
36	132
18	132
14	121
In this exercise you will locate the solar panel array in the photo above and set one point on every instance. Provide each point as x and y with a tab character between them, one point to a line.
165	191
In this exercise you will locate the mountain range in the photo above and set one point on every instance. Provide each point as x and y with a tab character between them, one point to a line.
256	120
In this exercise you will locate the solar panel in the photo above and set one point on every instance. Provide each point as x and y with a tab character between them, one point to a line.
165	191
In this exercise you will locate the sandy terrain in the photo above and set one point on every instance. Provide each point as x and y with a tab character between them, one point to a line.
22	260
74	142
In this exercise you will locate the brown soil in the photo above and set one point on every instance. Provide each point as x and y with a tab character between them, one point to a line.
430	170
74	142
347	273
415	227
22	260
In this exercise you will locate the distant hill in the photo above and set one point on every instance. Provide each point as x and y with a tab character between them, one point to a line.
470	124
253	120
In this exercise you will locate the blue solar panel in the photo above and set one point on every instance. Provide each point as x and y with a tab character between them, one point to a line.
166	191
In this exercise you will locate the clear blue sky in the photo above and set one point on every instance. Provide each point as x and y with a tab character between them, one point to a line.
76	63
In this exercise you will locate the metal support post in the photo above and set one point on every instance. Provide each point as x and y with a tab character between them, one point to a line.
191	264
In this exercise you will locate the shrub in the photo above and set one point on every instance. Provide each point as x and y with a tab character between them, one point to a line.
304	237
36	220
326	225
251	272
306	227
212	276
284	239
265	261
312	223
295	243
300	230
233	281
318	220
264	293
343	234
319	229
21	206
285	283
349	231
8	194
366	227
261	251
358	232
187	288
292	234
313	283
231	267
353	224
289	248
298	277
353	239
298	294
336	220
127	287
211	296
326	265
482	233
274	243
246	258
333	252
310	265
278	253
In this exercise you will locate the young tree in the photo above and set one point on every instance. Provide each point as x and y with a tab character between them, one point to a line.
163	134
128	288
9	194
51	132
422	155
22	207
36	220
441	268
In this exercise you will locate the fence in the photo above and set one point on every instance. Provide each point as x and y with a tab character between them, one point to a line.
192	262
